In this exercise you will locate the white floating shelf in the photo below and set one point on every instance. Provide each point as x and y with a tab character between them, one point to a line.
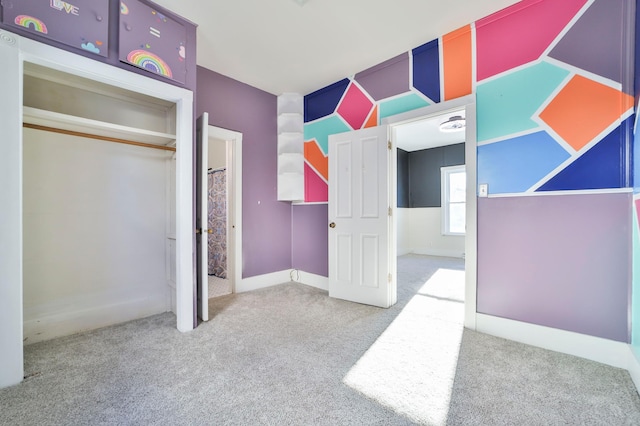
94	127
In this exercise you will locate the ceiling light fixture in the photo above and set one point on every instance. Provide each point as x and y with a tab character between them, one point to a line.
301	2
453	124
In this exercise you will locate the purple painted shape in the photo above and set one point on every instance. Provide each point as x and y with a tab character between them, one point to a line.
310	247
386	79
557	261
84	24
266	222
153	41
594	43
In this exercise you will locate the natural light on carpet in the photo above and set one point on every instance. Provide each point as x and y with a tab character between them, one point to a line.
411	367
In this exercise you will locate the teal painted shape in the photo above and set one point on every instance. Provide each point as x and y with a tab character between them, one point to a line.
321	129
635	286
401	104
515	165
506	105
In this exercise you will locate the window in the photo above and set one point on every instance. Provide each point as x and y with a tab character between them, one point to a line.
454	193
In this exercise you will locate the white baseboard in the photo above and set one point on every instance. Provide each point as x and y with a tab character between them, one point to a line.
262	281
401	251
67	323
439	252
596	349
313	280
634	367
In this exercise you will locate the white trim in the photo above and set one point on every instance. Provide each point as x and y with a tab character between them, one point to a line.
467	102
596	349
234	156
567	192
263	281
445	183
66	323
634	367
313	280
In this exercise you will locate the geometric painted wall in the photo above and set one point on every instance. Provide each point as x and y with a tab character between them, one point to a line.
553	110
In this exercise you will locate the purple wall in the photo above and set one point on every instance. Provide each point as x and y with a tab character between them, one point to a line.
557	261
266	238
310	223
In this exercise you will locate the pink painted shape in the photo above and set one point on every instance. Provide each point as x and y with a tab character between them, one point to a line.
315	188
638	211
520	34
355	107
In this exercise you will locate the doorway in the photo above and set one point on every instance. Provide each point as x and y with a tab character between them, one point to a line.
401	126
219	206
218	200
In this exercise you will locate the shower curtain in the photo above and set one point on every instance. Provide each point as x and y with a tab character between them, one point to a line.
217	222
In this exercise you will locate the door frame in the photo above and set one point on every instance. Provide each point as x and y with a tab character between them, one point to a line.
14	52
234	209
471	238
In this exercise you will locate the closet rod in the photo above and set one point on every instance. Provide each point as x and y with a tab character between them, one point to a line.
102	138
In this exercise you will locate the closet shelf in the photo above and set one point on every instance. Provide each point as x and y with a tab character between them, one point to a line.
72	123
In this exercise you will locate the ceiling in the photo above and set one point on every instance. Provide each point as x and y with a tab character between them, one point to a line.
296	46
425	133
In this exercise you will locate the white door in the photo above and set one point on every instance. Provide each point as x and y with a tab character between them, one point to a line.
360	252
202	233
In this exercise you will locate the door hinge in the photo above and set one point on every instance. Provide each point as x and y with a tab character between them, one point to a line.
389	145
390	211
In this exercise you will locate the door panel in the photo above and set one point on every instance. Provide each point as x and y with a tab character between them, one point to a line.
202	187
359	201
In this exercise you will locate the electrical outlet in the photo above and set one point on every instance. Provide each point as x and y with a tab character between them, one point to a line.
483	190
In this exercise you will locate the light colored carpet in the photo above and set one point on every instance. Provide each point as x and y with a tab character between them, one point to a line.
291	355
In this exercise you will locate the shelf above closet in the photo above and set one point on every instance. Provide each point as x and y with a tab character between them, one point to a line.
55	120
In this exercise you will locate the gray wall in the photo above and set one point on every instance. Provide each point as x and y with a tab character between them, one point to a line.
419	174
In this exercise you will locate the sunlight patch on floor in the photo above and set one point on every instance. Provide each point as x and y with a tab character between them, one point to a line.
411	367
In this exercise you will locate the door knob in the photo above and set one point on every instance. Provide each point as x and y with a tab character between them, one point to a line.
332	225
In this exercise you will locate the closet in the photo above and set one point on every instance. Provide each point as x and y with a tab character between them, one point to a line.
99	204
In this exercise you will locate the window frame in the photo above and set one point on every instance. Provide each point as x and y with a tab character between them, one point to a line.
445	173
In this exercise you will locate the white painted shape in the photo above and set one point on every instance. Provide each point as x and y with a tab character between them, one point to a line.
11	356
597	349
359	252
202	140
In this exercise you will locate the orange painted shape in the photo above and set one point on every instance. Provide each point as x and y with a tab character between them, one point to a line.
372	121
457	63
314	156
583	109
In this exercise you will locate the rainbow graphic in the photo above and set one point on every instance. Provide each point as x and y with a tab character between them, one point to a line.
28	21
150	62
124	10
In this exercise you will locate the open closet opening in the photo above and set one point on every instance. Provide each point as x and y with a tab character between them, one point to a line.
99	204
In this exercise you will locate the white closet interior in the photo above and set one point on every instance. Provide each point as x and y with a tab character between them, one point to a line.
99	218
